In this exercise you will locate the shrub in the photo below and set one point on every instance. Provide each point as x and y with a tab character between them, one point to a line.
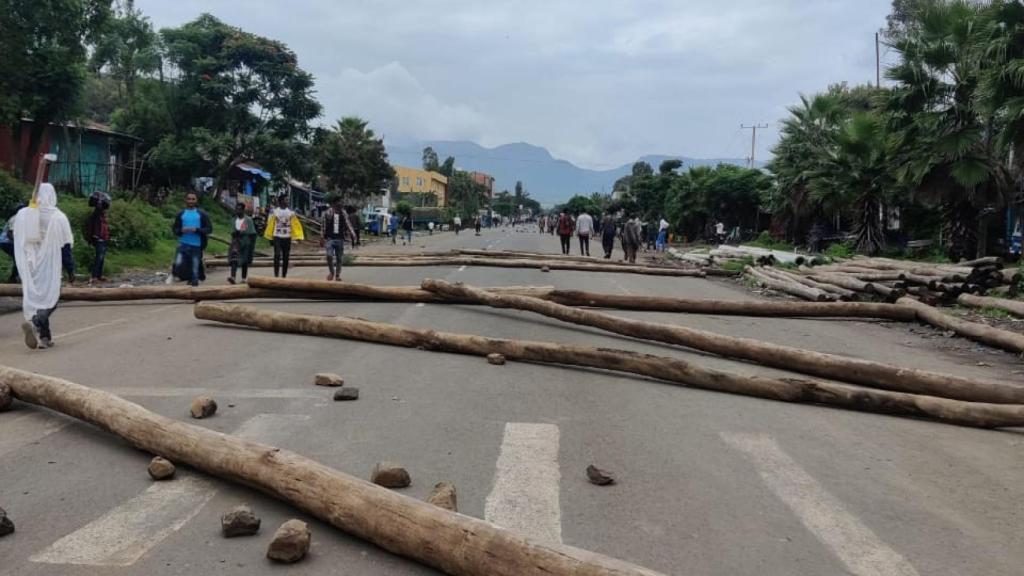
135	225
840	250
12	193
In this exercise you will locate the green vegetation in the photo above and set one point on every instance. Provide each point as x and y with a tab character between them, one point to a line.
995	313
843	250
737	265
765	240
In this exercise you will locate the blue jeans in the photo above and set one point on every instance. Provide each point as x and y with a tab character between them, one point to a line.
194	256
335	249
101	256
662	237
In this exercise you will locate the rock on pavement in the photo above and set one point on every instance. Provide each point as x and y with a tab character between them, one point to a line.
6	526
203	407
599	477
390	475
346	394
290	543
328	379
161	468
444	496
239	521
496	359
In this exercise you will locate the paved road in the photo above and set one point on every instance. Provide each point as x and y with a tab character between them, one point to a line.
710	484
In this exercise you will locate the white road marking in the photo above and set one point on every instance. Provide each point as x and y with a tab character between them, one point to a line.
856	545
420	305
274	393
462	268
123	535
17	431
526	482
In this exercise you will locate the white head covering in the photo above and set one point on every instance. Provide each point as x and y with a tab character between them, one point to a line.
39	234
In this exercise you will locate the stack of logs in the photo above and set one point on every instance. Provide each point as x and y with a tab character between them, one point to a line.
887	279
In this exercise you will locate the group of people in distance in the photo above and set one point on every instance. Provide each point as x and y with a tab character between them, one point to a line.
630	230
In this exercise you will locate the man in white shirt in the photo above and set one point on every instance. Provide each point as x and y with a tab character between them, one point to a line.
457	224
662	235
584	229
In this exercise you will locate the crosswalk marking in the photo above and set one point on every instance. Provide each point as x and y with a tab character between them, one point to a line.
123	535
856	545
20	430
525	496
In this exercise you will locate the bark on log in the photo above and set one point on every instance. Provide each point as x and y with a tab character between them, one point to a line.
496	262
1010	275
68	294
986	261
1015	307
996	337
786	287
673	370
840	292
450	542
842	368
601	300
845	281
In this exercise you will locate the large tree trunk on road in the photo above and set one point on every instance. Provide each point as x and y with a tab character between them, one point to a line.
787	286
453	543
864	372
1004	339
1015	307
672	370
68	294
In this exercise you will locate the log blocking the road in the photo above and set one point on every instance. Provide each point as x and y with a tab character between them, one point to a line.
842	368
672	370
451	542
1010	341
1015	307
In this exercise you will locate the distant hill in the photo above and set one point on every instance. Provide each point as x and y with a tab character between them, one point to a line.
547	179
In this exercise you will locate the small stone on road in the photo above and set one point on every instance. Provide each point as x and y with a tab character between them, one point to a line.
203	407
444	496
390	475
496	359
239	521
346	394
5	397
161	468
6	526
328	379
291	542
599	477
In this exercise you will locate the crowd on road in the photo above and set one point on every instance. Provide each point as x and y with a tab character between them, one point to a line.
634	234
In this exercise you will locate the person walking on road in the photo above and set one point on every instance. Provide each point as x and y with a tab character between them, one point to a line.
283	226
97	233
608	235
565	228
243	243
192	226
393	228
584	230
336	227
407	229
356	224
476	225
41	230
632	236
662	240
457	224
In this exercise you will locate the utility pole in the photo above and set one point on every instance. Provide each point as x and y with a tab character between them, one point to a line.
878	62
753	139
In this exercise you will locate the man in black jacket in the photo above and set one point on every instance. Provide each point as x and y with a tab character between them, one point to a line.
192	226
336	227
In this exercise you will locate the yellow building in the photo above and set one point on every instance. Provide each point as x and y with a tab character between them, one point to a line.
417	186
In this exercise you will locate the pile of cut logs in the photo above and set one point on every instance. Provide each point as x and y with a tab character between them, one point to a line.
887	279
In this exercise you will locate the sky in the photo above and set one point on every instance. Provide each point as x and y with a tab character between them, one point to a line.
598	83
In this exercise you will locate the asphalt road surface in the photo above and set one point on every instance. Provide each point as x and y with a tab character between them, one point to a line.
709	484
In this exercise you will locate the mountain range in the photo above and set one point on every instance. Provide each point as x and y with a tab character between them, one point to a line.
549	180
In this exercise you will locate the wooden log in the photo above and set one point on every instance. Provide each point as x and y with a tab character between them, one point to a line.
890	294
497	262
786	287
986	261
990	335
842	368
835	292
672	370
450	542
1010	275
925	295
848	282
161	292
1015	307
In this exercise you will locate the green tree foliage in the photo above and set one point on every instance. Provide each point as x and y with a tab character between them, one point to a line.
465	195
353	159
579	204
126	47
430	161
702	196
42	62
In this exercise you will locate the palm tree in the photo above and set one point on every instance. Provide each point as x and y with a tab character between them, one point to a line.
943	142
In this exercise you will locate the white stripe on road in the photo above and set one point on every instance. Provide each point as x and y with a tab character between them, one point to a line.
123	535
462	268
856	546
17	431
526	482
278	393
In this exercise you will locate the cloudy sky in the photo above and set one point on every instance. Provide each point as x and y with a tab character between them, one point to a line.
598	83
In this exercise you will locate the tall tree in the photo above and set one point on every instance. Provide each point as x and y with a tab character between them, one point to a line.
353	159
126	48
243	96
448	168
430	160
42	64
641	169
